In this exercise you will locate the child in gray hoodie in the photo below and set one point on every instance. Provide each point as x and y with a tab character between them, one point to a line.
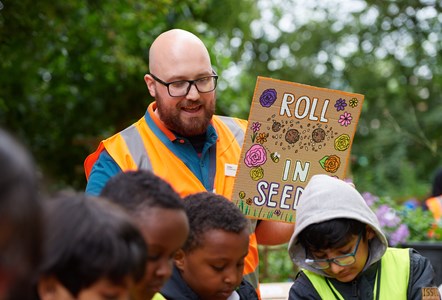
343	253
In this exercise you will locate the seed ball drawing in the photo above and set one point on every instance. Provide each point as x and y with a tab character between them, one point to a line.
318	135
292	136
276	126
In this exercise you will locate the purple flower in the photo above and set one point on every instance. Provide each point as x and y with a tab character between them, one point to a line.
369	198
387	216
345	119
400	235
340	104
256	126
268	97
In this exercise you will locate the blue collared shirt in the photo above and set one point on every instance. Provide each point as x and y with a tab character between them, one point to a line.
203	166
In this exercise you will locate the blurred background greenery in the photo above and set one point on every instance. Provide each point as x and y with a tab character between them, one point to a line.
71	73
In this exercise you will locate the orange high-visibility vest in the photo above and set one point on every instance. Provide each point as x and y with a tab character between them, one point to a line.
435	206
137	147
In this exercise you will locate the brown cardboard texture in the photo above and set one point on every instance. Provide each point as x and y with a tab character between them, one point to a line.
294	132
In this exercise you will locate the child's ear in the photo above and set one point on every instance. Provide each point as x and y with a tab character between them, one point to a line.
179	259
370	234
47	288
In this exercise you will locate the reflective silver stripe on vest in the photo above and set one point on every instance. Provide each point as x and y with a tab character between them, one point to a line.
238	133
138	152
136	147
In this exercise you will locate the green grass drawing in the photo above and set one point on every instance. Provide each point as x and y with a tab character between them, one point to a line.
241	205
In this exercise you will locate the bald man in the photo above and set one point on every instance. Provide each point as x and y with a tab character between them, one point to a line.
180	138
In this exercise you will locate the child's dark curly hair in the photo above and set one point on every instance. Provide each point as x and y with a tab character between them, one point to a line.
207	211
137	191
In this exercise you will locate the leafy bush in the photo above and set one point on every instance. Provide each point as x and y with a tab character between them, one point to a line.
275	264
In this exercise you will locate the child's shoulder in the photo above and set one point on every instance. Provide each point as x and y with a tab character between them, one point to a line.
158	296
246	291
302	288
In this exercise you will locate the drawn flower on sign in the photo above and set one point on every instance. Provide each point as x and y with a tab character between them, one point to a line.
256	126
255	156
249	201
330	163
257	173
345	119
353	102
262	138
277	212
340	104
268	97
342	142
242	195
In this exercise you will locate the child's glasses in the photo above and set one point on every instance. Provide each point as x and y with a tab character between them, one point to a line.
342	260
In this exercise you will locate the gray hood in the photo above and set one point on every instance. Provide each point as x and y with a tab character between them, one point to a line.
325	198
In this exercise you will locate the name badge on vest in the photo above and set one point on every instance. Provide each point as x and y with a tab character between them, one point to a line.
230	170
430	293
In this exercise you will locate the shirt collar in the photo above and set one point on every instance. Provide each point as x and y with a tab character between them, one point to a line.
151	110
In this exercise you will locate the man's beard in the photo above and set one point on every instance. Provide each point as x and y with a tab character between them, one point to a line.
193	126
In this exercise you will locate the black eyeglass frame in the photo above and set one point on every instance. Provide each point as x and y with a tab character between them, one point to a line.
191	82
315	262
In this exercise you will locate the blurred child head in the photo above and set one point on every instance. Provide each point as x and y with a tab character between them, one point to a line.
20	220
212	260
92	250
159	213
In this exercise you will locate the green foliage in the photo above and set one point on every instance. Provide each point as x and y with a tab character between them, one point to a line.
275	264
419	223
72	73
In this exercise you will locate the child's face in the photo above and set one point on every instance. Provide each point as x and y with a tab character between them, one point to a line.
215	269
346	273
103	289
165	231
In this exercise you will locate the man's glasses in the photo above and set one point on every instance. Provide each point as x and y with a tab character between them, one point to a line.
342	260
181	88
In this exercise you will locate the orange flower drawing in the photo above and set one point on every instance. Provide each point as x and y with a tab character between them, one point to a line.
330	163
262	138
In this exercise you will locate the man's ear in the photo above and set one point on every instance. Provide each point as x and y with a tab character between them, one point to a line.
47	288
179	259
150	83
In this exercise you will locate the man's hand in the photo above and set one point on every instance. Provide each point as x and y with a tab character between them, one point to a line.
273	233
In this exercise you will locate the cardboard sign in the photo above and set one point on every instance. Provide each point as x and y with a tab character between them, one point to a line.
295	131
